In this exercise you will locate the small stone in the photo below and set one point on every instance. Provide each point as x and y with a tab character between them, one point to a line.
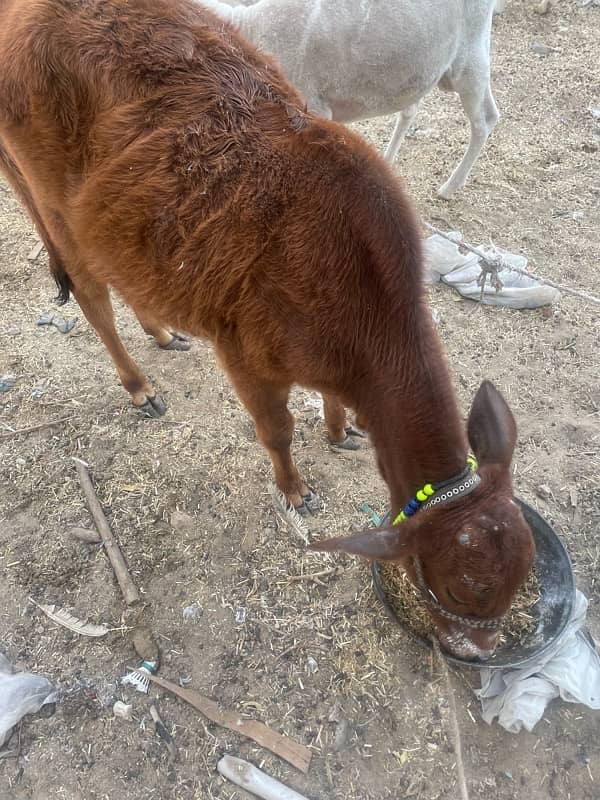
543	491
240	615
342	735
180	521
7	382
122	710
541	49
192	613
311	665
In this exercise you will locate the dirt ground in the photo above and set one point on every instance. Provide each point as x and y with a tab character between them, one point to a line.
188	498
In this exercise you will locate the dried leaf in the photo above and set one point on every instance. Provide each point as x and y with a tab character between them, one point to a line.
67	620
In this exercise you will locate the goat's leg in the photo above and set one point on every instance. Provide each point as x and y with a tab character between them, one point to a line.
94	300
340	434
479	105
168	340
404	120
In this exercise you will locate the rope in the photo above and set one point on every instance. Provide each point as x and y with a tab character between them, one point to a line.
491	265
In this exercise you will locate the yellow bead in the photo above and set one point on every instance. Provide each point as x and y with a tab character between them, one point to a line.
400	518
428	490
421	496
472	462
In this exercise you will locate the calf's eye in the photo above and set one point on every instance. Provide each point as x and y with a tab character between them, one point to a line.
455	599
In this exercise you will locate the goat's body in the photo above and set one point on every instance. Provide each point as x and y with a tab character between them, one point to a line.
363	60
159	154
353	61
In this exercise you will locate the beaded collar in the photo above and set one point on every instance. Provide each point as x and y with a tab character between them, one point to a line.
432	494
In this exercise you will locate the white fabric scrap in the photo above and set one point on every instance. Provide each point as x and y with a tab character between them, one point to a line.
21	693
570	670
443	260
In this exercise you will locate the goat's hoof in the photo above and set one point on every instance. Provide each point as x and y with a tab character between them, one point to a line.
447	192
178	342
311	504
154	406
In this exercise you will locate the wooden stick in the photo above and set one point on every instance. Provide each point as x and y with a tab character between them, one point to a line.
254	780
35	251
32	428
297	754
454	729
130	593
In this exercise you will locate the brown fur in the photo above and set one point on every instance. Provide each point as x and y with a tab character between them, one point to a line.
159	154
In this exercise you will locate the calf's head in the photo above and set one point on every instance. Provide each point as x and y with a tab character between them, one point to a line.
468	556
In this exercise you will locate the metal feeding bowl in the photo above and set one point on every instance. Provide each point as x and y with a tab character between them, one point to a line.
551	612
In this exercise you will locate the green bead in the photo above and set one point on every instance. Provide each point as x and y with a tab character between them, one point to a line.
428	490
421	496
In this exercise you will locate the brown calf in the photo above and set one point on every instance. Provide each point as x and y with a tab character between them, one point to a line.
161	155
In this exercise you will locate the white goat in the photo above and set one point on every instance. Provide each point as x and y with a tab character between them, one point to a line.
356	59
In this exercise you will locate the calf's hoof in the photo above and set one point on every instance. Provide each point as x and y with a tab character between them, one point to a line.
311	504
349	443
178	342
154	406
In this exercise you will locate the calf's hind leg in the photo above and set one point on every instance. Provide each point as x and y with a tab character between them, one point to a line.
94	300
340	434
164	337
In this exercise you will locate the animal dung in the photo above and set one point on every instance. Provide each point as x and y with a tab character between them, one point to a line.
408	606
144	643
85	535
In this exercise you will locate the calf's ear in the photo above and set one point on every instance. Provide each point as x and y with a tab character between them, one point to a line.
491	428
378	544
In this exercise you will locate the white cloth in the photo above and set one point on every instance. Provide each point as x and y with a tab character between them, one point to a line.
570	669
443	260
20	693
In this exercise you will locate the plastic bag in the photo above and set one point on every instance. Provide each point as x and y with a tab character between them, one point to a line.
570	669
20	693
444	261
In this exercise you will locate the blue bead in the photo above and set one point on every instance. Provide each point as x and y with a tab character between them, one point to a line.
409	510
